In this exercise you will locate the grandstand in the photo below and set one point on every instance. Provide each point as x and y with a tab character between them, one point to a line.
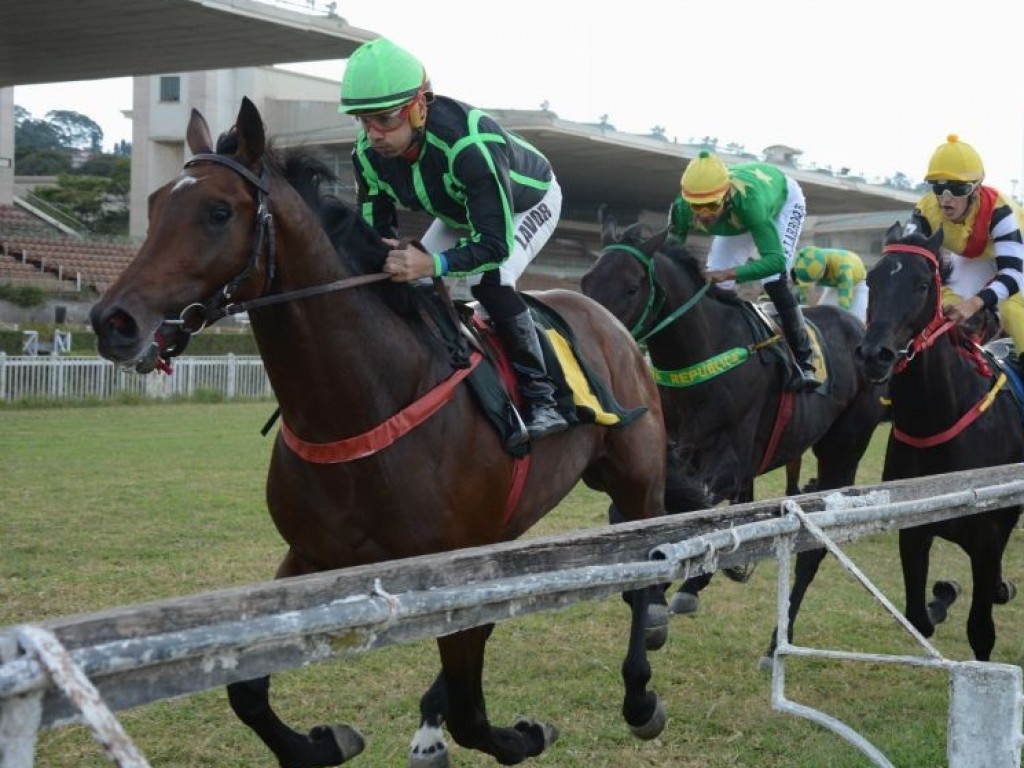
35	253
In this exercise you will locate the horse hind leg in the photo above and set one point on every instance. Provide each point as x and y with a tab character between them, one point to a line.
462	660
323	746
656	624
641	708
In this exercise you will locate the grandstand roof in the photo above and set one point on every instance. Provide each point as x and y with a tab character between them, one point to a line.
60	40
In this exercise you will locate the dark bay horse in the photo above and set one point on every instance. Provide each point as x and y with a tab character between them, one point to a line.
950	411
245	225
734	426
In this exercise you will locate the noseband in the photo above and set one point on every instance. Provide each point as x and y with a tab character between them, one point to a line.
938	325
655	296
196	316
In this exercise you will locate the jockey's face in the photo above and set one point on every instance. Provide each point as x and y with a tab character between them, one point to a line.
708	213
954	198
390	133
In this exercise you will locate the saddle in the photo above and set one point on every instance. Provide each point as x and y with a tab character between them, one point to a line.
764	322
581	397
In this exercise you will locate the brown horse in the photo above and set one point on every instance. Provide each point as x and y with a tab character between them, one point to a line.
246	224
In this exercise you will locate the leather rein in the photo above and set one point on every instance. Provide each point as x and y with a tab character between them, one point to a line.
198	315
937	326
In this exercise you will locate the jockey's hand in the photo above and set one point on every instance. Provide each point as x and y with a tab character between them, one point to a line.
720	275
964	310
405	263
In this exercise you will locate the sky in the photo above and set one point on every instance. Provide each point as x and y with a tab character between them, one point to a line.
870	85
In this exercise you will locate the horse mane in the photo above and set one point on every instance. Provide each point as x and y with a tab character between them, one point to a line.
307	171
680	255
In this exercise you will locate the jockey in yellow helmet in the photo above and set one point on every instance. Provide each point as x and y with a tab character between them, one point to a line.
981	237
755	214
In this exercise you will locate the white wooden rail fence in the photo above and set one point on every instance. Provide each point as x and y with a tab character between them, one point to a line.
81	378
81	669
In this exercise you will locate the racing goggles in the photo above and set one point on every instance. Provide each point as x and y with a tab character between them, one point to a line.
955	188
386	122
708	208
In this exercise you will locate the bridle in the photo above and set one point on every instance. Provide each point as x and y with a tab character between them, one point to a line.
655	296
939	323
198	315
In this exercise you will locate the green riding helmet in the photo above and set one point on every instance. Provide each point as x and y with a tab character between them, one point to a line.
379	76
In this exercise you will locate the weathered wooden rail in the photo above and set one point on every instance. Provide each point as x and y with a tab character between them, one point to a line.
139	654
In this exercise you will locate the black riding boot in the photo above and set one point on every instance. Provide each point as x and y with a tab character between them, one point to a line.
539	409
795	330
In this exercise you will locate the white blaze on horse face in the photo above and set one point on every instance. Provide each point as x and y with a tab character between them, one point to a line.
896	267
183	182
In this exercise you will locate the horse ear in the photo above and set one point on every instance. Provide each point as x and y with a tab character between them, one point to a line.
198	134
252	138
934	243
607	222
653	244
894	233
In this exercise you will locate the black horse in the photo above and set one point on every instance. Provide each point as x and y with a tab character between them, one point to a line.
951	410
740	421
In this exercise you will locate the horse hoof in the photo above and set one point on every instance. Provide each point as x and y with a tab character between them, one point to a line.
349	741
438	759
548	733
656	630
683	603
653	727
946	591
1005	592
740	573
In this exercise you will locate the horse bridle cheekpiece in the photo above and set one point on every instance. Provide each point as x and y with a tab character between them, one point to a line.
196	316
939	323
218	305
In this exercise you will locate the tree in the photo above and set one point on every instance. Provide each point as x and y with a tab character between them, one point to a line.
76	130
32	134
29	161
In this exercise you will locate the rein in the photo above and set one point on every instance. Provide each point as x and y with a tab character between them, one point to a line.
937	326
197	316
655	295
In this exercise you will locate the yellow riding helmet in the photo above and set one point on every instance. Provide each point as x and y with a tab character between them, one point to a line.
955	161
810	265
705	180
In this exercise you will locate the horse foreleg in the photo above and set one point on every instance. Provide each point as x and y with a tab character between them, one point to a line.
915	547
462	659
323	746
428	748
986	574
807	564
641	708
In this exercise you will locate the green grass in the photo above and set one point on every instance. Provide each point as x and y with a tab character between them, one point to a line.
111	506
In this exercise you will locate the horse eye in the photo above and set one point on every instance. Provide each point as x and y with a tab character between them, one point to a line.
220	214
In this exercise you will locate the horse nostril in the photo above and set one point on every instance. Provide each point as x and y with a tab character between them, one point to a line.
886	356
116	324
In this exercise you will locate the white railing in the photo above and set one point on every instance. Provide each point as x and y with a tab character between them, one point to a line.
158	650
93	378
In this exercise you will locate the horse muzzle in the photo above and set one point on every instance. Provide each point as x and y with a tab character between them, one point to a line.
876	361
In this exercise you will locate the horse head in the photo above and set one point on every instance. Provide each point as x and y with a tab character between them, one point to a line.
622	277
211	242
904	305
